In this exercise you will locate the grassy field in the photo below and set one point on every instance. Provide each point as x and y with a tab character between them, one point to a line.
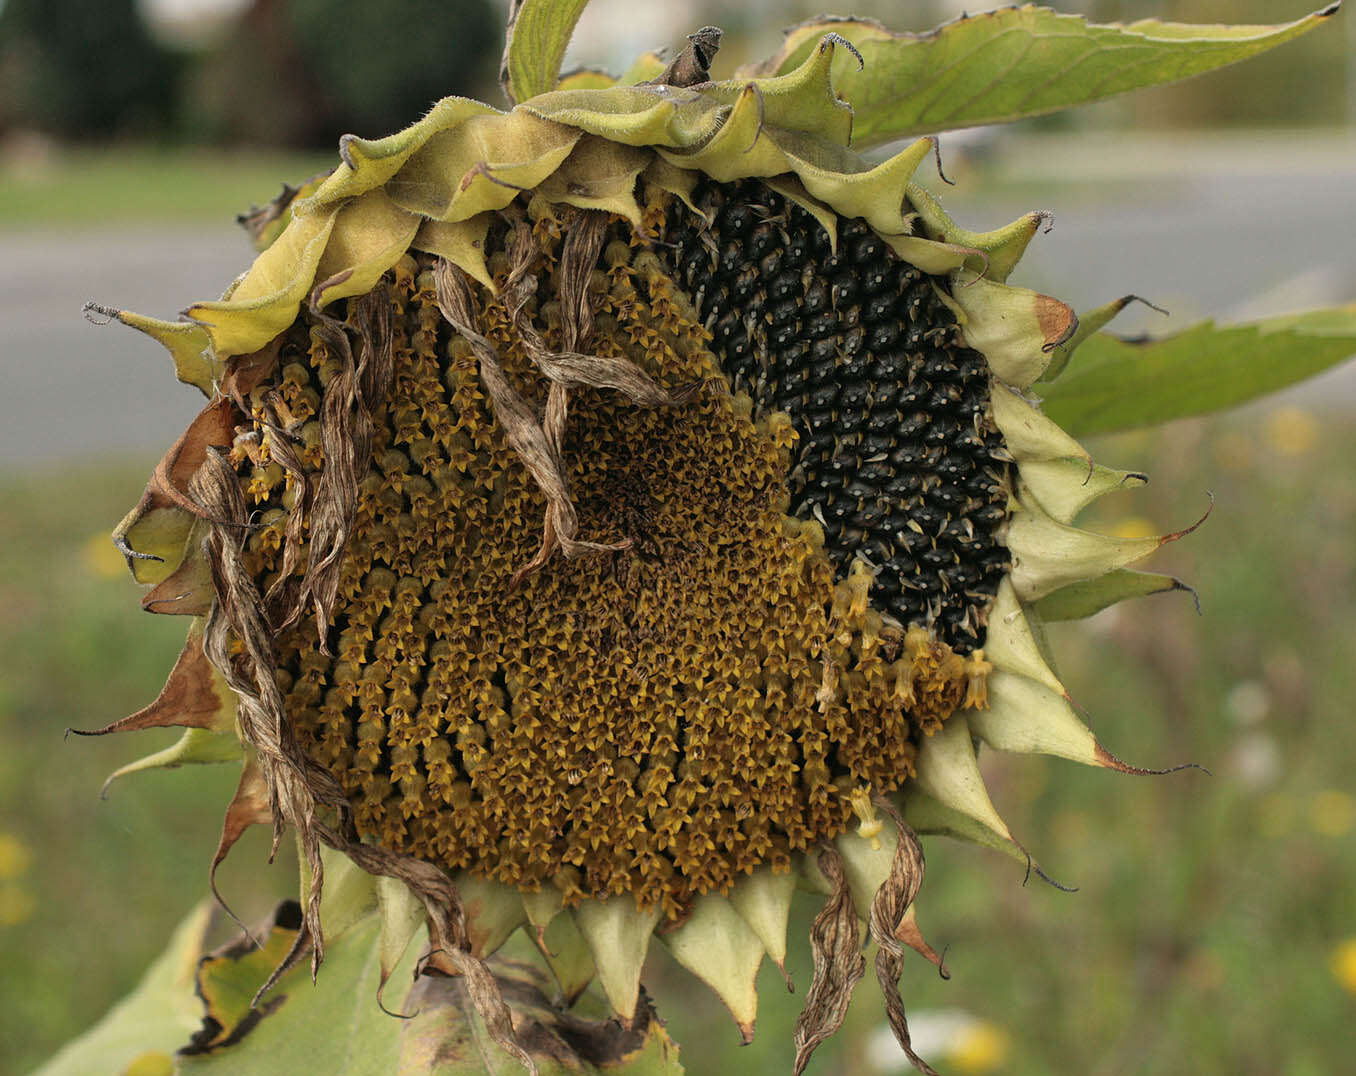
44	186
1209	924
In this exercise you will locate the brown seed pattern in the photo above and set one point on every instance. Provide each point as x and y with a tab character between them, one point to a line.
659	720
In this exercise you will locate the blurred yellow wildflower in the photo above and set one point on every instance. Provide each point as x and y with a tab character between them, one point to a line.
15	857
101	560
1291	431
1332	812
1133	527
981	1047
1343	964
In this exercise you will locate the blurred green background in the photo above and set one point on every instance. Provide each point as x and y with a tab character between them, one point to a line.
1214	929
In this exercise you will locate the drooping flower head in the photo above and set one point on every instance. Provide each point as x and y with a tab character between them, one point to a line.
613	513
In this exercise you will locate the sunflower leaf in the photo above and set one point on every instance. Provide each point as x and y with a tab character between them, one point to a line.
193	1013
1003	65
538	33
1116	384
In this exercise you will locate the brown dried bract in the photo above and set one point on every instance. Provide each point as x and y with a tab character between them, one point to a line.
888	909
836	944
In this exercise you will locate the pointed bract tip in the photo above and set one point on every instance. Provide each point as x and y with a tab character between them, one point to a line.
1035	868
1032	867
1331	9
398	1015
1106	759
94	311
120	544
981	274
937	154
1126	300
831	39
1183	533
910	935
1196	598
346	150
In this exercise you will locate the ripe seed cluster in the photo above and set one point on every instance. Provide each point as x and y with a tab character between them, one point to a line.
658	720
897	458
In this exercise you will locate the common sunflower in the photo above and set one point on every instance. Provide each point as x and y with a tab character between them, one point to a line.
612	514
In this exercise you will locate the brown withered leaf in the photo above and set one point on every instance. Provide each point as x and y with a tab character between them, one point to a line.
836	944
888	912
193	697
213	427
248	807
165	496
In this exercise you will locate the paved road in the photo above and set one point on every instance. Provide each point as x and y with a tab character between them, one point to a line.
72	389
1214	230
1222	226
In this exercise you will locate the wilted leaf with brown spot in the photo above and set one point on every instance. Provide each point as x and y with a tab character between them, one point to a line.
446	1038
227	981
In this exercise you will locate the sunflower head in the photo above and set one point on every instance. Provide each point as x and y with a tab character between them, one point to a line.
616	513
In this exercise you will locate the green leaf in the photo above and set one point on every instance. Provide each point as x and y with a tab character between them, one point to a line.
336	1025
1002	65
1114	384
150	1023
192	1015
538	33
